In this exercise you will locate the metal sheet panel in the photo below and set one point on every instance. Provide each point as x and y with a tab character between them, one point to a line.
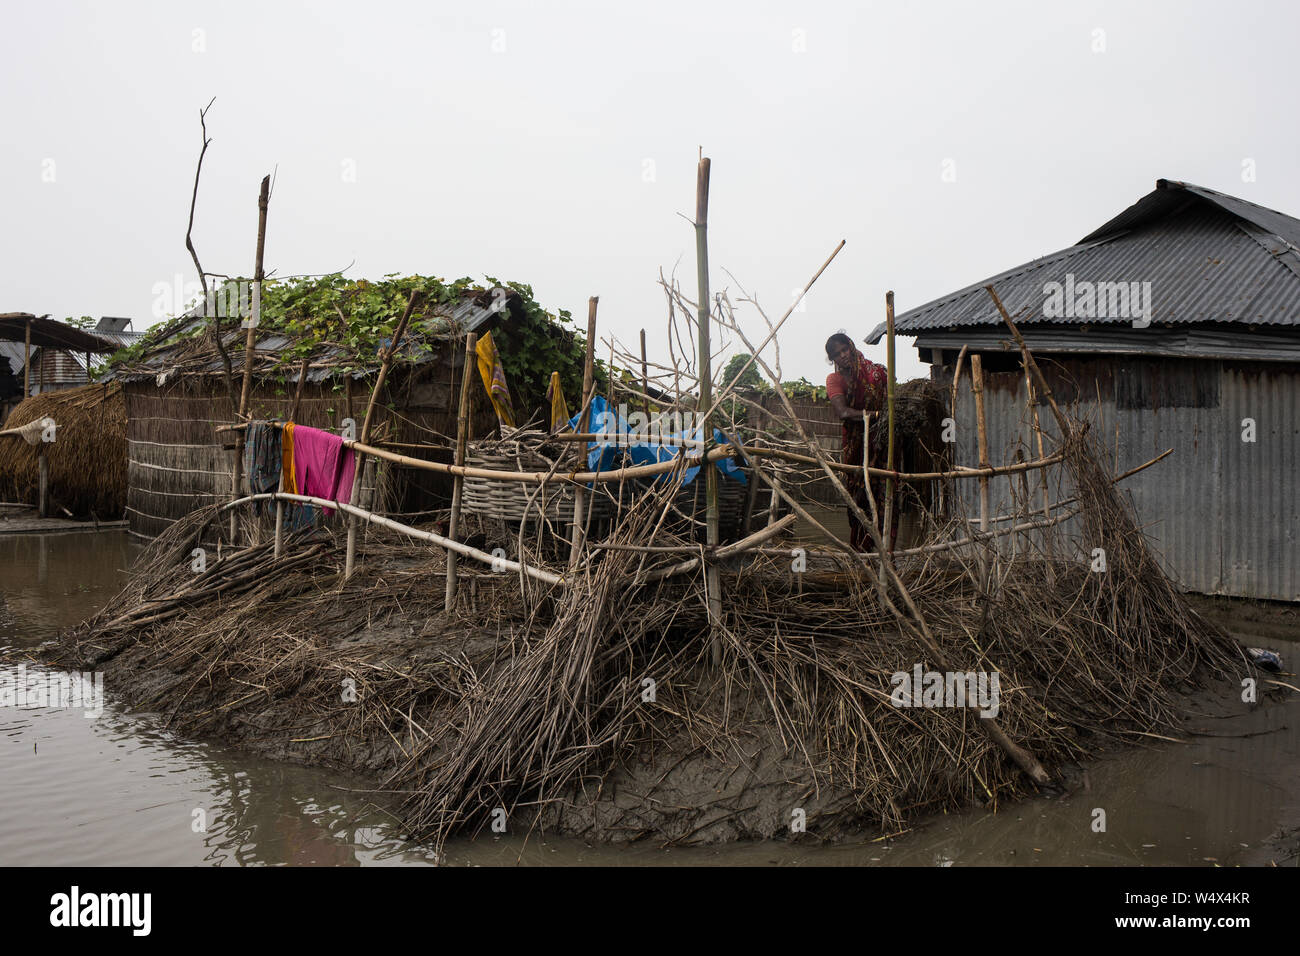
1222	515
1261	481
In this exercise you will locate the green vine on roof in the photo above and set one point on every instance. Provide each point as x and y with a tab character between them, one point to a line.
359	316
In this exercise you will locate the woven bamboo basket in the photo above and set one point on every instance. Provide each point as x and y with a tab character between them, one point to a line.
509	500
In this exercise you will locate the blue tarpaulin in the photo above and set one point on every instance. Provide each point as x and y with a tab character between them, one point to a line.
646	445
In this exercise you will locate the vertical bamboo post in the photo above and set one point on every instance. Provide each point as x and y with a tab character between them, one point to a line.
584	427
349	560
887	530
293	417
279	516
981	426
462	435
27	361
43	501
977	387
263	199
645	380
982	435
712	583
1032	400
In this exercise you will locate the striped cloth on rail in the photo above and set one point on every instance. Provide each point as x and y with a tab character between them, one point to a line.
262	460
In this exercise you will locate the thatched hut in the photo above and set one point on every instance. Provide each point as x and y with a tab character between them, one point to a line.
183	380
87	459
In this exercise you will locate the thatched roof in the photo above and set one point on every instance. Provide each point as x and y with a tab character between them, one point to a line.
87	459
339	325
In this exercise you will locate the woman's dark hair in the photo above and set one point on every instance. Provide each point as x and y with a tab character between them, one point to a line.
839	338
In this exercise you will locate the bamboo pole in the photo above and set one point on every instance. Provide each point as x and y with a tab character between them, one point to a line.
889	360
977	388
371	517
293	417
297	395
584	426
237	466
1028	359
753	355
712	583
462	435
349	560
1038	434
27	361
43	499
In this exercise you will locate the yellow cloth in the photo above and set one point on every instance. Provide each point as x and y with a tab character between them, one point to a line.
287	482
559	408
494	379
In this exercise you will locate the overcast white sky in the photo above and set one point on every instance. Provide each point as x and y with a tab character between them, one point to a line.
555	144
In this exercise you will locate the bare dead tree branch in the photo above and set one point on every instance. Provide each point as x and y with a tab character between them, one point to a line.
203	277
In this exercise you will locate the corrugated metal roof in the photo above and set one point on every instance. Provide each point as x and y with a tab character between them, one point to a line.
1209	258
13	352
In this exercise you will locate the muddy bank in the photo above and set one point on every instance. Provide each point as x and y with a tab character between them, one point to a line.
793	736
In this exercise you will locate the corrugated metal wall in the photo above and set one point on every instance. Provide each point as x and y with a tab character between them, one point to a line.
1222	513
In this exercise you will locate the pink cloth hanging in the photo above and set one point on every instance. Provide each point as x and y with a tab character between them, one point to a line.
322	467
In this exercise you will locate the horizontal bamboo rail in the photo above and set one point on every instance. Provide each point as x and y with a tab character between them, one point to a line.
505	564
370	516
645	471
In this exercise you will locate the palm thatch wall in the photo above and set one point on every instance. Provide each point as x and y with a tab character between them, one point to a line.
87	459
178	462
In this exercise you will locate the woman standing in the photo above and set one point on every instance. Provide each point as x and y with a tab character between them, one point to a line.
857	384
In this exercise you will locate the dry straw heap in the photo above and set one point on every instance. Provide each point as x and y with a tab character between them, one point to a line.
87	459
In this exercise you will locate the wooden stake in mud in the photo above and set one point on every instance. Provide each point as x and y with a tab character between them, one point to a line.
981	425
263	200
43	499
350	558
712	583
889	360
462	435
584	426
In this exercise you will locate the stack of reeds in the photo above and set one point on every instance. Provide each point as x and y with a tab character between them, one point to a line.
87	459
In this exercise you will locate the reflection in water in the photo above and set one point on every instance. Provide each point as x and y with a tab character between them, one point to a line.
122	790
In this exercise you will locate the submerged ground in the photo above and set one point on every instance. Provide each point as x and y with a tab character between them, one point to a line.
122	789
698	795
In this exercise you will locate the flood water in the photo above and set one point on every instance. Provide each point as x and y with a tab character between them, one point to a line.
120	789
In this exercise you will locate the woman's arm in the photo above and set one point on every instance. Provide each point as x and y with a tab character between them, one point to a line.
841	408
